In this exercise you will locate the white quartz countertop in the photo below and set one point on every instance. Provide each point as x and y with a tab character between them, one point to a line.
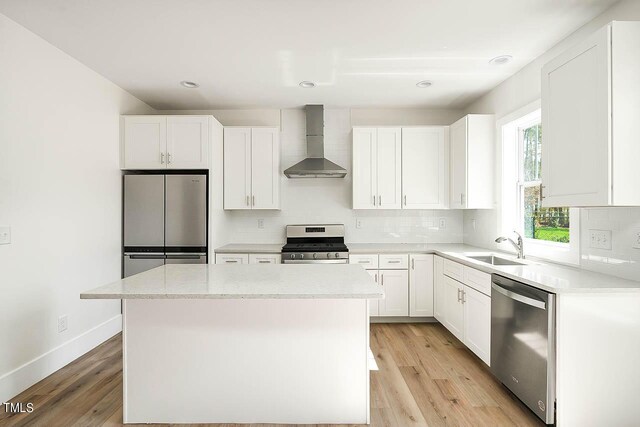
549	277
209	281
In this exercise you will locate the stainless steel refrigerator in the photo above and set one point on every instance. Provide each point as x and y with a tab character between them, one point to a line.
165	220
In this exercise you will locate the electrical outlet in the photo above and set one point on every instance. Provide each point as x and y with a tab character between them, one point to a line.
600	239
260	223
5	235
358	223
63	323
636	242
442	223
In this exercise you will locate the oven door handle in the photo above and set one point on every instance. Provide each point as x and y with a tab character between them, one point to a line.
518	297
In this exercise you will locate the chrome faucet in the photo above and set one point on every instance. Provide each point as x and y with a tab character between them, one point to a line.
519	245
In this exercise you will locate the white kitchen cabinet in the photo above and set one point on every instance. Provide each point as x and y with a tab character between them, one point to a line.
377	162
187	142
164	142
143	142
477	322
472	162
396	290
421	279
251	168
453	308
438	289
374	303
265	259
232	258
425	167
590	109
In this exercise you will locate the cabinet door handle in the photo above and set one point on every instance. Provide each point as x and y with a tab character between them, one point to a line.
231	261
374	200
413	264
382	279
162	158
405	200
168	158
253	200
542	187
396	261
264	261
376	279
247	200
463	299
379	200
459	295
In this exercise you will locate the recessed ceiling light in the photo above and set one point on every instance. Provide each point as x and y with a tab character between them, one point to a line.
501	60
424	83
188	84
307	84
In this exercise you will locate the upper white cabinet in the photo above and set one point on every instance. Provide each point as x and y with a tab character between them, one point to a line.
424	167
590	109
377	180
472	159
164	142
251	168
400	168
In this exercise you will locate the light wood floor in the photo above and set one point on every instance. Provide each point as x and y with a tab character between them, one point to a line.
426	378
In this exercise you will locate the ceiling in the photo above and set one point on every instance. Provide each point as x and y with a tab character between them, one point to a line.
254	53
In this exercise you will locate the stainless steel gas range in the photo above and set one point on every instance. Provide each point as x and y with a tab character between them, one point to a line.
315	244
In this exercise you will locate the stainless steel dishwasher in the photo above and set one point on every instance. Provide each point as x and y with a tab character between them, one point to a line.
523	343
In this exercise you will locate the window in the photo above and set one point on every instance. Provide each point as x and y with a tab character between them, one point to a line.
551	233
538	223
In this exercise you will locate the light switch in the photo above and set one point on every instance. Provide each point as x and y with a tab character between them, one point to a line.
5	235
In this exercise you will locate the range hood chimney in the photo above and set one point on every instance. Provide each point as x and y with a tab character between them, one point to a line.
315	165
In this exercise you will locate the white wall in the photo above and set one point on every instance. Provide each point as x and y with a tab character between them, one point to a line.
60	191
329	200
524	88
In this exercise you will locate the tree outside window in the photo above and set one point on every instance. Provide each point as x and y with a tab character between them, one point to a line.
547	224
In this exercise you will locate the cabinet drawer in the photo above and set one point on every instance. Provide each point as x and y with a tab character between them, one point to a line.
369	261
264	259
453	270
399	261
232	258
478	280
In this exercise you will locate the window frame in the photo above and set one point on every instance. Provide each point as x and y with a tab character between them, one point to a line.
511	216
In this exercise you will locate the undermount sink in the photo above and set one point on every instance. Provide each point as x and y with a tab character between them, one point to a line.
494	260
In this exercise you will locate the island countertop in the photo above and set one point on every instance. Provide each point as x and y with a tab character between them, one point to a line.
274	281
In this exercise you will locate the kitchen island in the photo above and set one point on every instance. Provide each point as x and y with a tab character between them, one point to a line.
245	343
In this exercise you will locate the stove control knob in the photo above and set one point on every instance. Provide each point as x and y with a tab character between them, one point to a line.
315	256
328	255
292	256
337	255
301	256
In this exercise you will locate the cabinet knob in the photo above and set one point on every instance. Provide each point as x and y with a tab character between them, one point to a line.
162	158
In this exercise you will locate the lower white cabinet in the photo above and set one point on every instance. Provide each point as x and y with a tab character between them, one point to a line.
438	288
453	309
374	303
477	322
420	285
462	308
396	291
232	259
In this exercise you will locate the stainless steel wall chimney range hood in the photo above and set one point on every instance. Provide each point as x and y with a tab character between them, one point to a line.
315	165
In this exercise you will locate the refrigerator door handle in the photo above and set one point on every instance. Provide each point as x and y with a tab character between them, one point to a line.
146	256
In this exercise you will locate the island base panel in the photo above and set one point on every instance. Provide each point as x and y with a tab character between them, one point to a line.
246	361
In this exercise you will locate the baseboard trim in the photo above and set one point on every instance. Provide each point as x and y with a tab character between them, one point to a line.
16	381
402	319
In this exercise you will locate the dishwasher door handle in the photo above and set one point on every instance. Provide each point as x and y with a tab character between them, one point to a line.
518	297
